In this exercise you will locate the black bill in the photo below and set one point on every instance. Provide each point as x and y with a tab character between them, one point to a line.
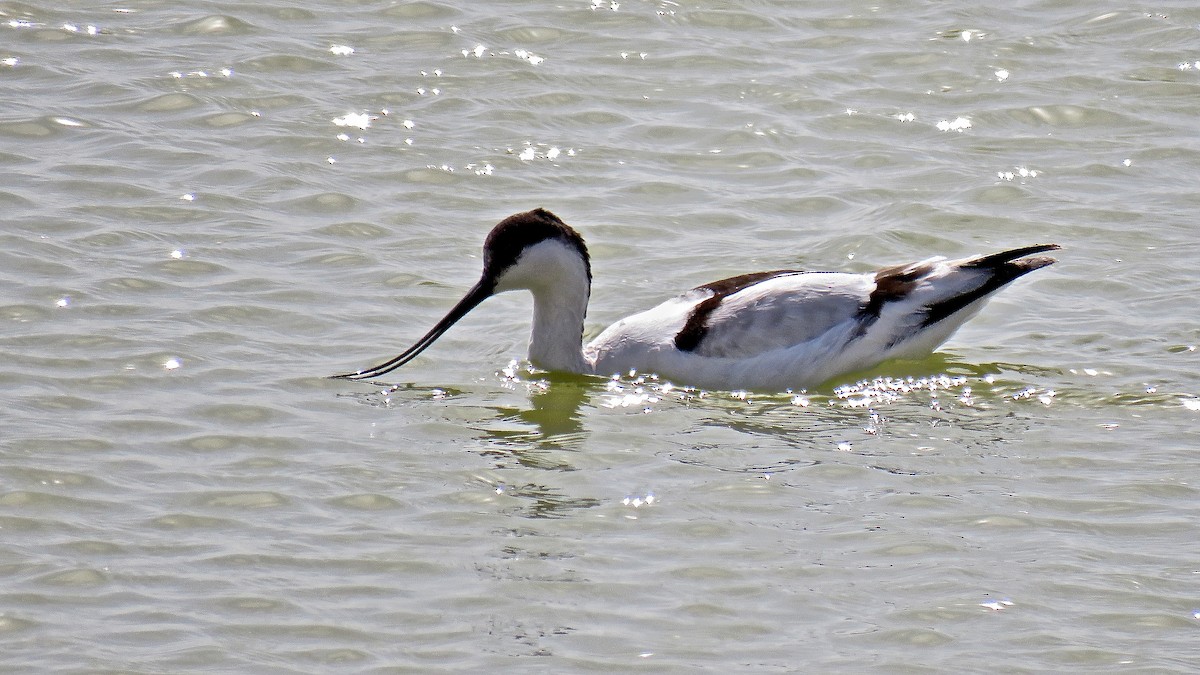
480	292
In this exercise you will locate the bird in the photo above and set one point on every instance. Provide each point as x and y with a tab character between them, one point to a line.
775	331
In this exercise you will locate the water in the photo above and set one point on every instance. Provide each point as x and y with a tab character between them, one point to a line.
191	242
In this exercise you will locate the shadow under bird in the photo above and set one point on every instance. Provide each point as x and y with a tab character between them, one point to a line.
765	331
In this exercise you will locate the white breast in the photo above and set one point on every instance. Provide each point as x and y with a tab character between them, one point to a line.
639	341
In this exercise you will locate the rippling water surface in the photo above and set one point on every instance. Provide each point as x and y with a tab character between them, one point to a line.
207	208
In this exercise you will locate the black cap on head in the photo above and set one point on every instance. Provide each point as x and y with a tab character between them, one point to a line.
511	236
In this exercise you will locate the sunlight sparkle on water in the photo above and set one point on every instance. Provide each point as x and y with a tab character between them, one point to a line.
359	120
1017	172
997	605
528	56
883	390
1090	372
959	124
637	502
638	398
533	151
199	74
522	373
72	28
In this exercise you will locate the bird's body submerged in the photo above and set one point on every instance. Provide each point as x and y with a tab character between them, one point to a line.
768	331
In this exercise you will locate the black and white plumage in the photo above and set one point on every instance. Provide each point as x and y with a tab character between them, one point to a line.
767	331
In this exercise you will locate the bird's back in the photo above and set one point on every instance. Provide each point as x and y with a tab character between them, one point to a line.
789	329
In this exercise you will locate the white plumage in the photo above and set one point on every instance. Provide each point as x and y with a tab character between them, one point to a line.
768	331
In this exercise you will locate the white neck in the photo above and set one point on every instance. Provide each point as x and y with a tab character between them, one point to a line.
556	342
558	279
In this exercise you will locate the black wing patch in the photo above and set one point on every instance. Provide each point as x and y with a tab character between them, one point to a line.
1005	268
693	332
893	284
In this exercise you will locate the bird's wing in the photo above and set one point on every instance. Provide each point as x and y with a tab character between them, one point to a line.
919	304
775	312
